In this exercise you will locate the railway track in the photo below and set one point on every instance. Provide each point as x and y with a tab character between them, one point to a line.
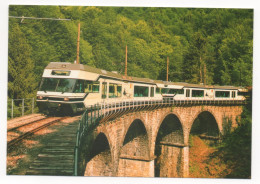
24	119
56	158
15	140
29	123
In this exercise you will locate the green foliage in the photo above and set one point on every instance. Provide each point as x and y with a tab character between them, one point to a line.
16	108
227	126
219	40
235	149
20	69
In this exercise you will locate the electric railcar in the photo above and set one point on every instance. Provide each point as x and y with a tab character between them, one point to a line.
73	87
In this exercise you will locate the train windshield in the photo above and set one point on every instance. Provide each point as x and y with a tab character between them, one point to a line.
57	85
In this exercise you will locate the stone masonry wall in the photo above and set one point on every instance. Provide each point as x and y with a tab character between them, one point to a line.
116	131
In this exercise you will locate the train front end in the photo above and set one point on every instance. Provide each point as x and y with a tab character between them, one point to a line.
60	89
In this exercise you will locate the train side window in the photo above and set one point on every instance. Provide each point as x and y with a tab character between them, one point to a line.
111	90
141	91
172	91
233	94
95	88
181	91
165	90
79	87
152	92
197	93
88	87
222	94
187	92
158	90
176	91
104	90
115	90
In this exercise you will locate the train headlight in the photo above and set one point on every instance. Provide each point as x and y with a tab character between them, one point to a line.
66	99
39	97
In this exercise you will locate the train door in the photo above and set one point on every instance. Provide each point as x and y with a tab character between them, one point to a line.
152	92
233	94
187	94
104	91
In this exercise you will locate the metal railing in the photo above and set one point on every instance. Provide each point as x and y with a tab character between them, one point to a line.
20	107
88	120
103	112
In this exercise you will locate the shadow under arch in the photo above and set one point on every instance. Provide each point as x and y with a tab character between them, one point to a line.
100	163
205	125
134	152
168	148
136	140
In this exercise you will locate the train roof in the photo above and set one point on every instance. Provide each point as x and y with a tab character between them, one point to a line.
184	84
159	83
189	85
72	66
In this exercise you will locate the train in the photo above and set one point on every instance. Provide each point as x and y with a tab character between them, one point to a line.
70	87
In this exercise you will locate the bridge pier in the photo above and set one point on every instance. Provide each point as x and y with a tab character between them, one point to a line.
100	165
173	161
135	167
185	155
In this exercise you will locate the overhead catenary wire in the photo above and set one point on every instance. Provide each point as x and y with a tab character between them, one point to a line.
38	18
52	19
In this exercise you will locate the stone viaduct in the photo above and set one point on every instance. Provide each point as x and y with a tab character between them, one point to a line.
150	143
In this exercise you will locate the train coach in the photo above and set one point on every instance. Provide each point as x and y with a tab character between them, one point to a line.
68	87
186	91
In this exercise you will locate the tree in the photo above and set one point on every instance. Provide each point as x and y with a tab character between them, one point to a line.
195	59
21	82
236	53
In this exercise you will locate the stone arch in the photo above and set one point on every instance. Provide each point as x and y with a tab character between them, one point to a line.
101	163
128	121
105	130
167	114
204	131
168	147
135	136
134	151
205	123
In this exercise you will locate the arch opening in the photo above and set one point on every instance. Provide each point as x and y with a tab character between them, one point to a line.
168	149
204	135
100	163
205	125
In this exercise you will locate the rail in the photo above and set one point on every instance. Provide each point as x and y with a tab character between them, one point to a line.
10	144
102	112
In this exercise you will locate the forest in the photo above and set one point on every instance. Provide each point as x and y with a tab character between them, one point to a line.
213	46
204	45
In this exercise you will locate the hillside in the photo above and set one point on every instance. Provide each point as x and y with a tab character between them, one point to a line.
211	44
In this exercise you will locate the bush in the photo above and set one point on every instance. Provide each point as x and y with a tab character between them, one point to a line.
235	149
